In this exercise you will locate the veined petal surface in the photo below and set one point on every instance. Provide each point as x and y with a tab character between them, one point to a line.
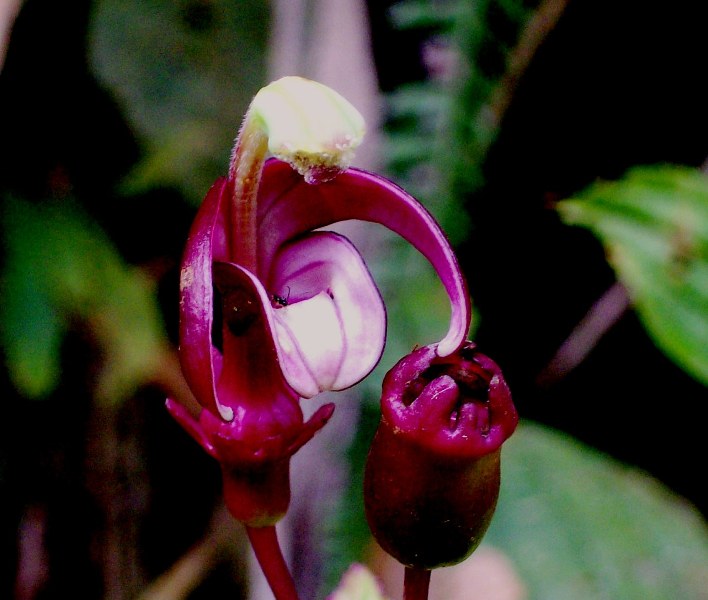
332	331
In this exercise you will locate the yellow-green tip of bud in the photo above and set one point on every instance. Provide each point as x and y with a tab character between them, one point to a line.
309	126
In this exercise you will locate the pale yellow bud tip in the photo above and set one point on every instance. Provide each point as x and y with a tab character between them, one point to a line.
309	126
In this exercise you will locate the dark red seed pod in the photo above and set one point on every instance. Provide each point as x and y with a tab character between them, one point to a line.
432	475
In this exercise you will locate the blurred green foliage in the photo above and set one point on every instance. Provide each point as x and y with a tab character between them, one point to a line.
441	129
577	524
60	271
184	74
654	226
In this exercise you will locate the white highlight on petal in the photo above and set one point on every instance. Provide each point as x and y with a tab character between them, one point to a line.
332	332
315	326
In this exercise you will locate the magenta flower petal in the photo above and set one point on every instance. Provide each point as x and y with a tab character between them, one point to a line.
288	207
196	298
345	340
332	331
458	405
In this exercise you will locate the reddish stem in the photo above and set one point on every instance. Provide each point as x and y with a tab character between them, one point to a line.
264	541
416	583
247	160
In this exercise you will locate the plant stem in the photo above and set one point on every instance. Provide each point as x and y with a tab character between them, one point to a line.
264	541
416	583
247	160
601	317
536	30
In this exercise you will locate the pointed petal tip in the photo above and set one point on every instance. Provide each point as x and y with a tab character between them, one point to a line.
191	424
456	335
225	412
449	345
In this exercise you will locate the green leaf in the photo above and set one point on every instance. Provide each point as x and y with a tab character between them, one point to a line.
357	584
579	525
30	332
60	269
184	73
654	226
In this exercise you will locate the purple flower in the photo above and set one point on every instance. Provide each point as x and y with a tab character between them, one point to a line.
304	318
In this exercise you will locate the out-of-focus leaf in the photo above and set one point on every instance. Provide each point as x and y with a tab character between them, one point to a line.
184	72
422	13
654	226
60	268
579	525
455	117
31	331
358	583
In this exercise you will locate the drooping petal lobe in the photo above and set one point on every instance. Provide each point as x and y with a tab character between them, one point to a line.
250	374
332	332
311	342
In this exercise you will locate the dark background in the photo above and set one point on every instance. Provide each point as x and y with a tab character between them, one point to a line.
616	84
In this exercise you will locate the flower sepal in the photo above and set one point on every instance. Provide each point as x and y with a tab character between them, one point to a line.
255	465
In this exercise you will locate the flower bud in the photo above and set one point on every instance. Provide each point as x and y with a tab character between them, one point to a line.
432	475
309	126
